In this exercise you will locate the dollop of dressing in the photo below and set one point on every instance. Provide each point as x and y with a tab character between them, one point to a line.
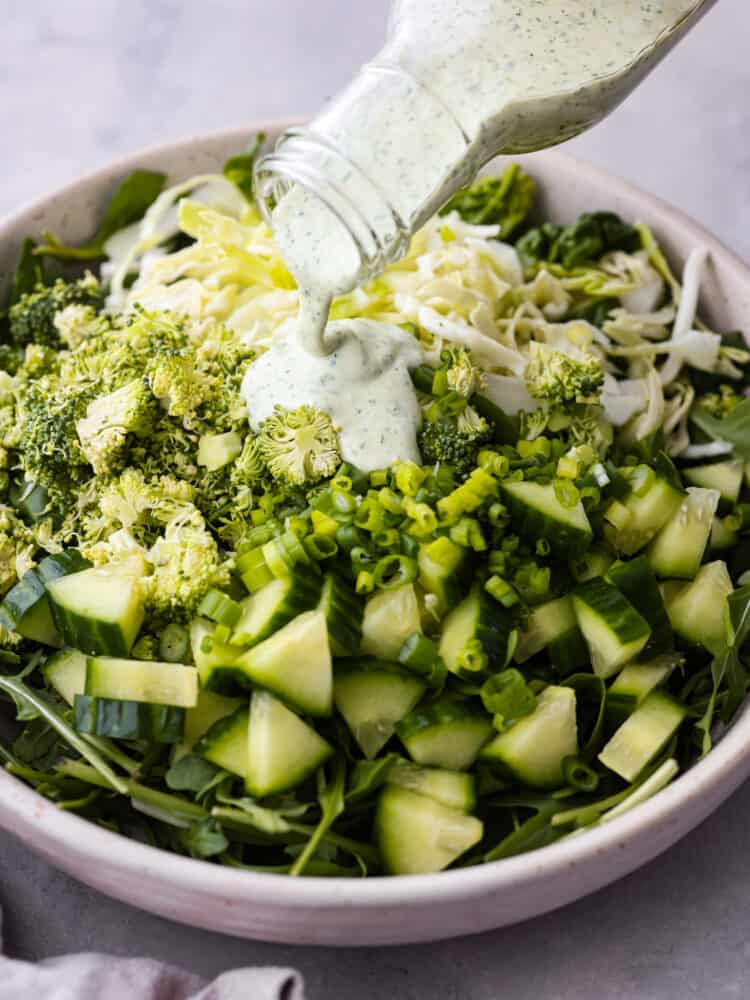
362	382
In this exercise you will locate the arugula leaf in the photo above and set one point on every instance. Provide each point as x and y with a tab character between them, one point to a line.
503	201
204	839
734	428
239	169
331	798
727	669
190	773
128	204
368	775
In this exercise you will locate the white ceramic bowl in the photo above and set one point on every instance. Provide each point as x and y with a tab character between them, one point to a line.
413	908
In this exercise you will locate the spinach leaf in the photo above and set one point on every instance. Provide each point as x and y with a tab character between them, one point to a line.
239	169
734	427
504	201
591	236
128	204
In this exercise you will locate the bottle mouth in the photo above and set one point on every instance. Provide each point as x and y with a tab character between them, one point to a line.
306	159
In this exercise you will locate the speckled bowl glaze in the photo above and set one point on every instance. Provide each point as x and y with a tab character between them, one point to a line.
414	908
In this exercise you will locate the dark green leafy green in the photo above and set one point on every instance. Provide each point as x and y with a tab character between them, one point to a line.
128	204
591	236
204	839
331	800
503	201
239	169
191	774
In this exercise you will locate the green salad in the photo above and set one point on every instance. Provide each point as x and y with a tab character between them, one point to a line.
235	645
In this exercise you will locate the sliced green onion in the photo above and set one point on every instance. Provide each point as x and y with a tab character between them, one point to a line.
502	591
220	608
348	537
174	643
222	634
600	474
543	547
387	539
494	462
566	492
365	582
507	697
617	514
579	775
424	518
343	503
379	477
320	547
390	500
342	482
370	515
642	479
323	524
409	545
472	657
409	477
420	655
394	570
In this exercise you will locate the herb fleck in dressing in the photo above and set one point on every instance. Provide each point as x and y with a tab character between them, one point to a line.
458	82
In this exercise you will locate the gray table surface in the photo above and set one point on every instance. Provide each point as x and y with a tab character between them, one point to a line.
84	81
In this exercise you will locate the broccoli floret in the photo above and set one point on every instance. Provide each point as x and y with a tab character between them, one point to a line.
78	322
299	446
32	318
721	403
186	563
140	505
17	548
110	420
464	375
50	451
454	441
562	378
176	383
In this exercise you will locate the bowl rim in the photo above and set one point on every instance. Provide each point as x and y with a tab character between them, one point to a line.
22	808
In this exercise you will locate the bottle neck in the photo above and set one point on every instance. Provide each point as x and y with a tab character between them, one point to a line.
378	162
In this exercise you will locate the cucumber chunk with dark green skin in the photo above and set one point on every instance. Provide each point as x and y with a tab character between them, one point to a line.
726	477
142	680
98	611
344	611
444	570
273	606
417	834
214	660
294	663
479	622
677	550
210	708
553	626
533	749
646	515
643	735
697	610
65	672
637	581
372	696
447	734
26	608
225	743
62	564
634	683
537	513
128	720
283	750
614	631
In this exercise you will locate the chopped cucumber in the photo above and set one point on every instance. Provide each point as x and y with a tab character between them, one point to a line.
478	635
634	683
225	743
534	748
273	606
66	673
553	626
98	611
586	565
445	571
142	680
698	610
455	789
645	514
128	720
294	663
447	734
217	450
726	477
722	536
26	606
214	660
641	737
417	834
344	611
282	750
637	581
391	616
678	549
614	631
373	696
538	513
210	708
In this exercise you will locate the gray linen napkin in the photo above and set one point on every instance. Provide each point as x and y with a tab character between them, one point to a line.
104	977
